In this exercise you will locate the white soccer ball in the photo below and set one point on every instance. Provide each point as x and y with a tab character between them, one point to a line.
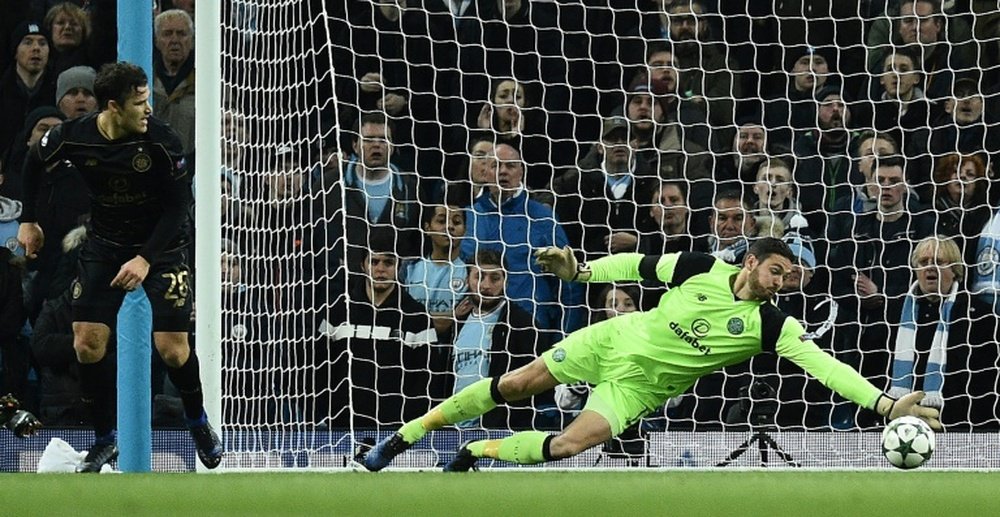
907	442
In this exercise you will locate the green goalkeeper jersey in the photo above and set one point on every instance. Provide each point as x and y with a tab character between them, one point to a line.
700	326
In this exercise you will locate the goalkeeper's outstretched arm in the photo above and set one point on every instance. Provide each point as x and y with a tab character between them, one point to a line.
619	267
845	380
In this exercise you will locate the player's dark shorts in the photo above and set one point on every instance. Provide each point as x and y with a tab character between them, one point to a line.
166	286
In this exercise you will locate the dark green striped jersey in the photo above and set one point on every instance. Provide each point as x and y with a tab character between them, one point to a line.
700	326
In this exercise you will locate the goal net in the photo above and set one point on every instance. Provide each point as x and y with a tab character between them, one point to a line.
389	166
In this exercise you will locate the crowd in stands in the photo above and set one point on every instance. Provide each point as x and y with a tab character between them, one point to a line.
393	267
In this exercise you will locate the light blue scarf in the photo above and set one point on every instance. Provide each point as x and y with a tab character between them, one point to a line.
906	350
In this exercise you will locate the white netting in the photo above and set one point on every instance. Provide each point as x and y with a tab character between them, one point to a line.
651	126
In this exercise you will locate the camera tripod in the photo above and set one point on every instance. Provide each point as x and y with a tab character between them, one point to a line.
758	402
765	443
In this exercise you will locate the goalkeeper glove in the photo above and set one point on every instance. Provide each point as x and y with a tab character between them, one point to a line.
908	405
20	422
562	263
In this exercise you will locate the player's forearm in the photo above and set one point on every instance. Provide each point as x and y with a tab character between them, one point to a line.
851	385
834	374
613	268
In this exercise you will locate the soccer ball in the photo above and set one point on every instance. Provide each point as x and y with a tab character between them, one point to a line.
907	442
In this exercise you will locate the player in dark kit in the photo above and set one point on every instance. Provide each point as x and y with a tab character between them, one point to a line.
140	190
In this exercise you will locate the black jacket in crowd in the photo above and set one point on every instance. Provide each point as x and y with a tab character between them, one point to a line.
393	350
61	399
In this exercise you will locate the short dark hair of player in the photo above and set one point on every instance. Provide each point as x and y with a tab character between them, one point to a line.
485	258
766	246
378	119
117	81
888	161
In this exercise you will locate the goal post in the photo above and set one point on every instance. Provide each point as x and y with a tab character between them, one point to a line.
208	206
292	369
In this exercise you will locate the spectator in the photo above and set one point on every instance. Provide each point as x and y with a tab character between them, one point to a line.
10	212
69	26
678	127
945	41
901	101
614	300
492	336
776	195
173	77
511	113
61	401
75	91
382	61
671	232
507	220
707	73
963	125
646	118
36	124
794	111
279	209
732	223
16	360
438	279
523	41
747	152
481	173
823	165
246	335
870	272
63	204
26	84
902	110
600	204
377	193
945	345
388	340
960	201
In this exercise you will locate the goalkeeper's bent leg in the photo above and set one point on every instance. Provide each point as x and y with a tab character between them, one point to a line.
475	400
590	428
524	448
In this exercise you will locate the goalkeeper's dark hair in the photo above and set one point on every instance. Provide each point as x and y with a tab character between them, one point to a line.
116	82
764	247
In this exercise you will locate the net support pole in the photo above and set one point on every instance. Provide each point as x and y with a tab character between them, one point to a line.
208	205
135	45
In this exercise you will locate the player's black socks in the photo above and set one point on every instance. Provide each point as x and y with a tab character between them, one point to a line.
187	379
98	383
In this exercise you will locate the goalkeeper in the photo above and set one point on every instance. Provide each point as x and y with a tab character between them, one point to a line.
715	314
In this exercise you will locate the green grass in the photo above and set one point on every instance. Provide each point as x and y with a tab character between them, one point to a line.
517	494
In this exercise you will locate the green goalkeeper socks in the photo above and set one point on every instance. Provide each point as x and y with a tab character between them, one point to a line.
471	402
525	448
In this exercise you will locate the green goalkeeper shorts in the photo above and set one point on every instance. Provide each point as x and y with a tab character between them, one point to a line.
622	394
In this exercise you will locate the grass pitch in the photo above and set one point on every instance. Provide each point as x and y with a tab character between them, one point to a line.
517	494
